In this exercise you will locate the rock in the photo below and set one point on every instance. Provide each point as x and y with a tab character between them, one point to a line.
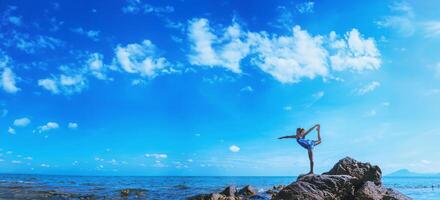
362	171
247	191
275	189
136	192
212	196
319	187
392	194
371	191
256	197
278	187
229	191
347	180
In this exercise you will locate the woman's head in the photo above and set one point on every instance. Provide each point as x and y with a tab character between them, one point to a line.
299	132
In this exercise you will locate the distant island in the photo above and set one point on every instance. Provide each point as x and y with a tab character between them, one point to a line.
408	173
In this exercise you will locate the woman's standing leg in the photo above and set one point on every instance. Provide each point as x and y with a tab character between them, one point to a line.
311	160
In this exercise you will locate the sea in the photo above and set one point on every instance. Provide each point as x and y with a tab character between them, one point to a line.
168	187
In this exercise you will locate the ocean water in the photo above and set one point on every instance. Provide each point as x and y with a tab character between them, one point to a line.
23	186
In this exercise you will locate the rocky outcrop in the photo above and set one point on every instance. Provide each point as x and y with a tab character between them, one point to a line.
371	191
319	187
362	171
247	191
274	190
348	179
230	193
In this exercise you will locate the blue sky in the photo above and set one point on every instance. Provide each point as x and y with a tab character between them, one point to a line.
202	88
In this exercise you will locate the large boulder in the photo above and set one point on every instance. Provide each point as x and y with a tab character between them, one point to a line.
371	191
229	191
319	187
247	191
362	171
347	180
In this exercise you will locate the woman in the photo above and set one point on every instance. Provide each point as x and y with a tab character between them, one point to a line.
306	143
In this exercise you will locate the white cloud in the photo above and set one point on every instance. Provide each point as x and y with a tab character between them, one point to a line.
432	28
247	89
157	163
353	52
67	84
45	165
8	82
138	6
148	8
22	122
75	80
287	108
72	125
290	58
96	66
49	84
47	127
99	159
287	58
138	82
11	130
141	59
32	43
230	48
16	162
28	158
92	34
156	155
234	148
305	7
317	96
402	21
368	88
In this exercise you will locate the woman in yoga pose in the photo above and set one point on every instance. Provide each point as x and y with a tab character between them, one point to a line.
306	143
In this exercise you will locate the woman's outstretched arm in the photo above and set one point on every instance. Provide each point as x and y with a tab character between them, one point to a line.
311	129
288	136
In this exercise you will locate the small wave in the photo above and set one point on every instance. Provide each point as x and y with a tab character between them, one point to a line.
89	184
181	187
